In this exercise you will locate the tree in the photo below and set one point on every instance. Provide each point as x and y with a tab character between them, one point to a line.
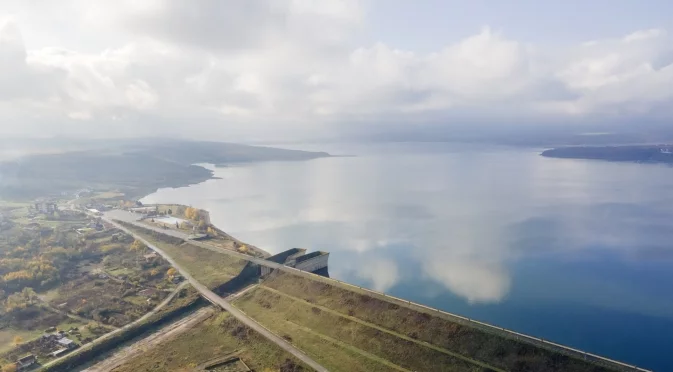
190	213
20	300
137	246
170	211
11	367
29	295
171	272
18	340
193	214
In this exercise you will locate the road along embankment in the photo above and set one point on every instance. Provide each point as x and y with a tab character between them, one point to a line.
496	331
215	299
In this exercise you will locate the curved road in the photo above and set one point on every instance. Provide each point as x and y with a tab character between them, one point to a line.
219	301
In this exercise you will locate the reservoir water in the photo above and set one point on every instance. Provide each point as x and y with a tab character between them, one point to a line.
578	252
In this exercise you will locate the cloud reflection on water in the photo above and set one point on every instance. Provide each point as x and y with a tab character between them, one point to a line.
462	219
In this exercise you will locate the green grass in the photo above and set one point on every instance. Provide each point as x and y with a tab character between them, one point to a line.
208	267
108	195
7	337
358	343
217	336
187	296
12	204
336	304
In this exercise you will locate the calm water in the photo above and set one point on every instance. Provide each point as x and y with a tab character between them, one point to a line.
579	252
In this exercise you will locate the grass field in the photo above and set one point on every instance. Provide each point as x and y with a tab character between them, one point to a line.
7	337
216	337
344	343
409	339
208	267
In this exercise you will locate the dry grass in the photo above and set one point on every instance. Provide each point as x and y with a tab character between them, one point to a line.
499	352
215	337
358	345
208	267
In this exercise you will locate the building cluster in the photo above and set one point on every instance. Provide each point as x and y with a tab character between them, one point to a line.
26	363
60	343
45	206
54	343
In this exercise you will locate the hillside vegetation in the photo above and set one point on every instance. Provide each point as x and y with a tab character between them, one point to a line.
137	168
639	154
386	336
218	336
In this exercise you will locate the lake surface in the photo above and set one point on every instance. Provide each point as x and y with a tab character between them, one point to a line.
578	252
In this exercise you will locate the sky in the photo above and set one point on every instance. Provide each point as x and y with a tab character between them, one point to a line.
280	70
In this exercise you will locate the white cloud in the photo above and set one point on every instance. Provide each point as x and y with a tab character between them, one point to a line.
644	34
287	68
383	273
477	281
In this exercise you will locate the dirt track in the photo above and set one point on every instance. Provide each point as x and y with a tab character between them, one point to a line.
164	334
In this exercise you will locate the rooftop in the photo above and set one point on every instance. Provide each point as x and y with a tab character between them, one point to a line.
310	255
27	359
282	257
65	341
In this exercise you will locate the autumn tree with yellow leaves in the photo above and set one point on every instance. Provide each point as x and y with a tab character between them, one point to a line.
192	214
137	246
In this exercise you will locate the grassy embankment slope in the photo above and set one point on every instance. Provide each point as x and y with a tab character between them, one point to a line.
349	331
216	337
210	268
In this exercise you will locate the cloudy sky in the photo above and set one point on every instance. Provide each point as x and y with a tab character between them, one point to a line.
275	69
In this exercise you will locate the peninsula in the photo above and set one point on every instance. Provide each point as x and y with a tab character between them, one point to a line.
639	153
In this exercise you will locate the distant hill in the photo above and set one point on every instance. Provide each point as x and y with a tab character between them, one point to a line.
640	154
220	152
134	167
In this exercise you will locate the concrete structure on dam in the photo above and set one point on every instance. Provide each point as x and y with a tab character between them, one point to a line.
297	258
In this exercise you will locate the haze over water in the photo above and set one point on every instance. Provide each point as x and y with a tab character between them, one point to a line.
578	252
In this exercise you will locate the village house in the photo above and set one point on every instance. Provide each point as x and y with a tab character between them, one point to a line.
150	256
26	362
67	343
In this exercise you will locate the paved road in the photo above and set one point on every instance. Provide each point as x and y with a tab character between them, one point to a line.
219	301
132	218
